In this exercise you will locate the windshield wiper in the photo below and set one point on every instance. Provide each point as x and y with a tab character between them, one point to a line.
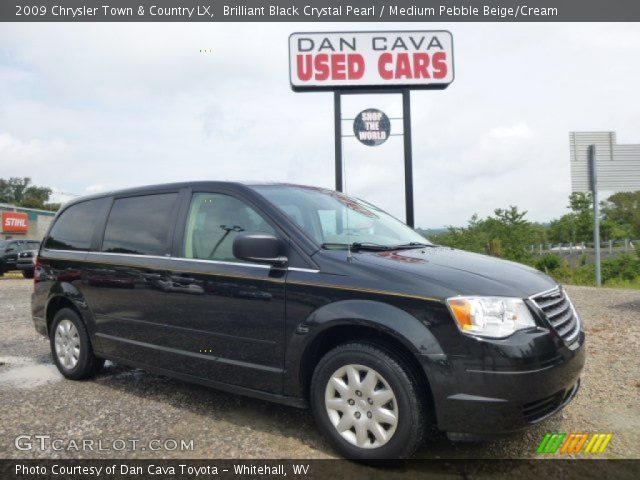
355	246
406	246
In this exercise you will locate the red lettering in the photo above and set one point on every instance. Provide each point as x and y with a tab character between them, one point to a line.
339	67
304	67
384	60
403	66
421	65
439	64
355	64
322	66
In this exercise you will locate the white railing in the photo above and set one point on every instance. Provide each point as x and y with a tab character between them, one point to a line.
610	246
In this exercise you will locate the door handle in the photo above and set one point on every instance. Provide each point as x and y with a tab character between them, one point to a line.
181	279
152	276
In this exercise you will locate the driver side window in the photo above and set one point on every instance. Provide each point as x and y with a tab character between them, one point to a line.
213	223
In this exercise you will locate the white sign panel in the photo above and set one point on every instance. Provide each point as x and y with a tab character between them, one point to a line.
362	60
618	166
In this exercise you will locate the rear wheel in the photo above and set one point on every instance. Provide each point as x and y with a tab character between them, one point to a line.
71	348
367	402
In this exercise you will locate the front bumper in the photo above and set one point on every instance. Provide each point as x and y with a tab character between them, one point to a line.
482	399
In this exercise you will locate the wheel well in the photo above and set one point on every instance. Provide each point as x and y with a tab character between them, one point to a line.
55	305
341	334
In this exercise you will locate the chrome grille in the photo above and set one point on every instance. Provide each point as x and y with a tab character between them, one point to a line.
559	312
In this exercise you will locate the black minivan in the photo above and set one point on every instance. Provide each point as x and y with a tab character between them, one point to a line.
307	297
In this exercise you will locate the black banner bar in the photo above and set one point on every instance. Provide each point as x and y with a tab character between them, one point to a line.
336	469
320	11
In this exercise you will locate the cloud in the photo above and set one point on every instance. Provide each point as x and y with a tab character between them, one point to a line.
21	156
94	189
516	132
91	107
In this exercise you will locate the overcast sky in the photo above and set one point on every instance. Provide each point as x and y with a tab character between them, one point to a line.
92	107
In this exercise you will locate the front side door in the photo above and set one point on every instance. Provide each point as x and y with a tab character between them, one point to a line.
226	316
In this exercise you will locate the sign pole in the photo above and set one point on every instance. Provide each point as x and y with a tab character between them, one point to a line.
408	160
596	211
337	121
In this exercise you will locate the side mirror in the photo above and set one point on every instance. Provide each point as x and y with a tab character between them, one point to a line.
259	248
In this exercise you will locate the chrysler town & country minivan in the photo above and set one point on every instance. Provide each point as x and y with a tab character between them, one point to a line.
307	297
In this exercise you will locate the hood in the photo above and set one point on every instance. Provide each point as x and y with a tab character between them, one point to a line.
457	272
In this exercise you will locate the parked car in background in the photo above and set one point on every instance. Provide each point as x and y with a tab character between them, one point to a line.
9	251
27	259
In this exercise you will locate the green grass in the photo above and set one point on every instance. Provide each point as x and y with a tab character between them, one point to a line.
620	283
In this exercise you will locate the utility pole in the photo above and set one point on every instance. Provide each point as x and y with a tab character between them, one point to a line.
408	158
337	122
596	211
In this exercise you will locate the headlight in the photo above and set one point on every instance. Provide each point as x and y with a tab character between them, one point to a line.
494	317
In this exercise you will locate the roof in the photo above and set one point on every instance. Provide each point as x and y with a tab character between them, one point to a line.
179	185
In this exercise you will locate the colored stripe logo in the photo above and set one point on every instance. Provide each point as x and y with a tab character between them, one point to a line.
574	443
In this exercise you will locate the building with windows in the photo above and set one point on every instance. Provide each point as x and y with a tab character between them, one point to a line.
24	223
617	164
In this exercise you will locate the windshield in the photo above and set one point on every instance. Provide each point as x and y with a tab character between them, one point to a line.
335	220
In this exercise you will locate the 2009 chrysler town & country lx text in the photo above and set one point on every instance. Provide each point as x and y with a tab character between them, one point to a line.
305	296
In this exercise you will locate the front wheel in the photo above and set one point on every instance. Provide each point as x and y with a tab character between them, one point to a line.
71	347
367	402
27	273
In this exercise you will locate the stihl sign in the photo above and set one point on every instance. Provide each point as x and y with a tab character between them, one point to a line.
15	222
325	61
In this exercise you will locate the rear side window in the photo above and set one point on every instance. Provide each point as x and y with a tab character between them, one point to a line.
75	226
140	225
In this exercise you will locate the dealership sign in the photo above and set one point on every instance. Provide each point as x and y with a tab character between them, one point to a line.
357	60
15	222
372	127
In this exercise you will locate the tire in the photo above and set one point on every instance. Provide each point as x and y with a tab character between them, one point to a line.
27	273
365	412
71	348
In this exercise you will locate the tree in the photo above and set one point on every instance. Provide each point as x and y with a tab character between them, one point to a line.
469	238
20	192
576	226
622	211
507	234
581	205
512	231
563	229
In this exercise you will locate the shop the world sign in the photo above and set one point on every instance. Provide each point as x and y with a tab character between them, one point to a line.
372	127
359	60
